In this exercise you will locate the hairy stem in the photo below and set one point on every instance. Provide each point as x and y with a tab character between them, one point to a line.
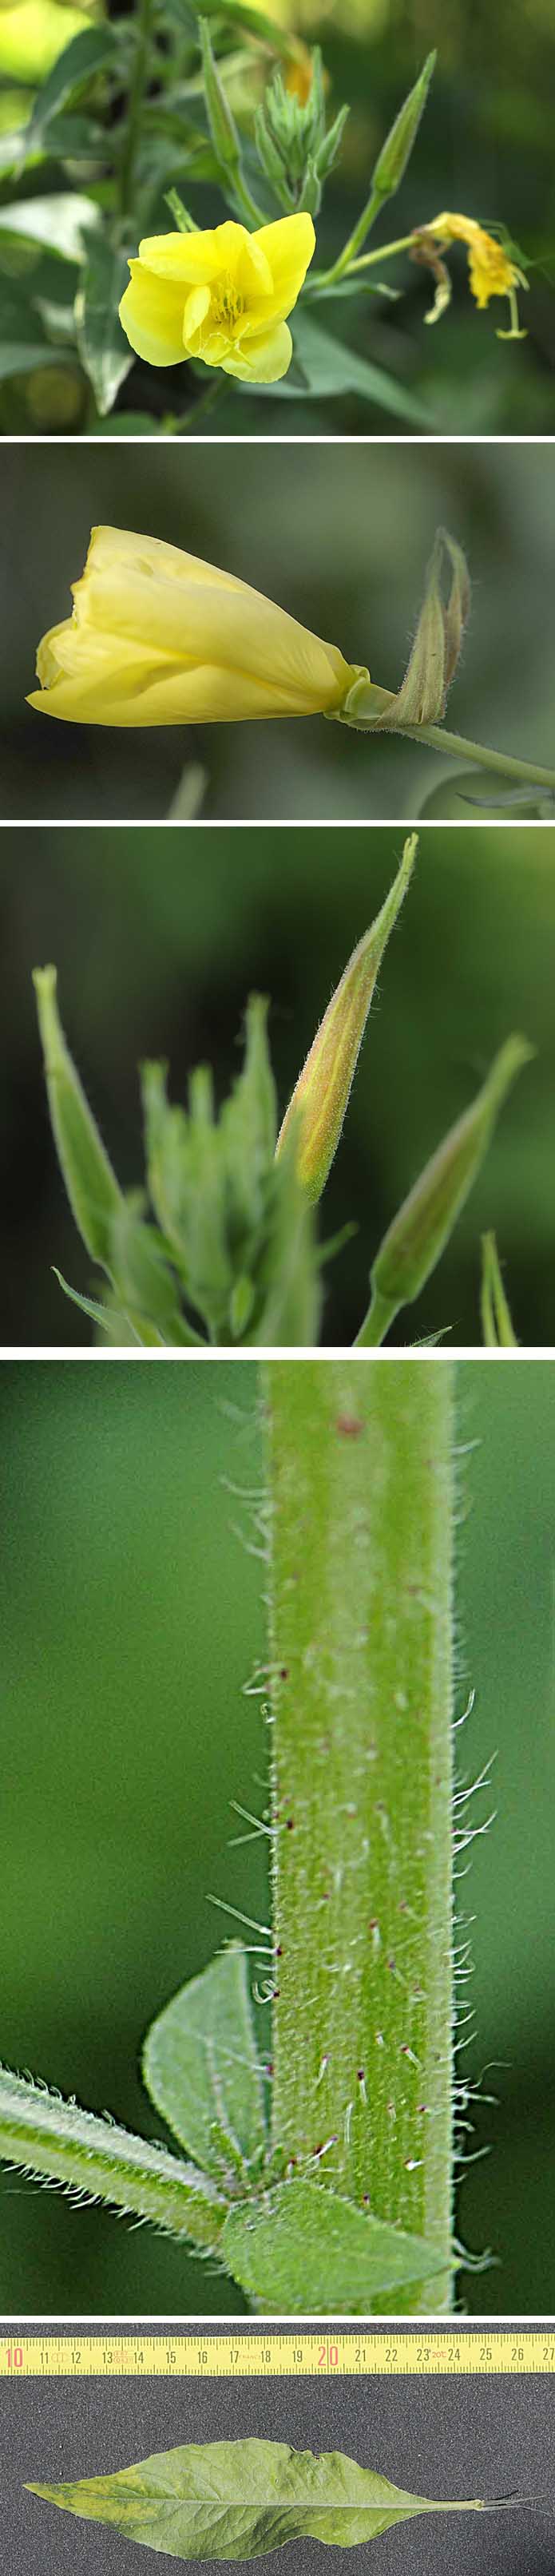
361	1493
45	2136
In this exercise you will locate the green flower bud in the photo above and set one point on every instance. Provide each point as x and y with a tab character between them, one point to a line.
319	1101
395	153
328	149
93	1191
222	124
418	1235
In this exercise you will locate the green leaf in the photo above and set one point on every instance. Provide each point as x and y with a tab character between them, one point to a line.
103	349
57	222
201	2067
331	369
86	55
302	2248
241	2499
89	1305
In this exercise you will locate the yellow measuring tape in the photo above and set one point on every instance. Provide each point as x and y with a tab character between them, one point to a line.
370	2353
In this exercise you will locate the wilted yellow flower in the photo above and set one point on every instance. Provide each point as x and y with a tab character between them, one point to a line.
221	296
158	637
490	270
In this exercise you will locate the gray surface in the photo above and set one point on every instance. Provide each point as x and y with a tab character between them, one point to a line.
481	2436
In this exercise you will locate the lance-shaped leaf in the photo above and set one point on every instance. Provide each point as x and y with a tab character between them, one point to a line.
304	2249
241	2499
319	1101
201	2068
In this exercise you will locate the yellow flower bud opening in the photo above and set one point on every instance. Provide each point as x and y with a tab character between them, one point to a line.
158	638
490	269
220	296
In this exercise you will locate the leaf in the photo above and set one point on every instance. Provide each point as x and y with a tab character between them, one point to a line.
201	2067
86	55
331	369
242	2499
302	2248
103	349
89	1305
57	222
23	345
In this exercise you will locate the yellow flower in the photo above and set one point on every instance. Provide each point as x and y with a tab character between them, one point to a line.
221	296
490	270
159	638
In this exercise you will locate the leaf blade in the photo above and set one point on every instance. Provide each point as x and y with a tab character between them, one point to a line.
200	2062
304	2249
242	2499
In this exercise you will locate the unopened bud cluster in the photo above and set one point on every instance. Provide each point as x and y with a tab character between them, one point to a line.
293	147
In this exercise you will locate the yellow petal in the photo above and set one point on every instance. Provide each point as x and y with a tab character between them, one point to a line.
196	258
159	637
289	247
262	359
196	309
151	314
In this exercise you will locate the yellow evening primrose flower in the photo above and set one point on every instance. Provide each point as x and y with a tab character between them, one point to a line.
221	296
490	270
158	638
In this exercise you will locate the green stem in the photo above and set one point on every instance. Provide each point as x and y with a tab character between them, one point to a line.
361	1493
135	103
501	762
246	204
371	259
368	217
381	1314
43	2135
179	425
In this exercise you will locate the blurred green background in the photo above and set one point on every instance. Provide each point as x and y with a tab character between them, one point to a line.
160	935
485	149
341	538
131	1618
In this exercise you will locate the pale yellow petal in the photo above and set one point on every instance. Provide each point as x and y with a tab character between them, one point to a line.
194	316
288	246
196	258
262	359
151	314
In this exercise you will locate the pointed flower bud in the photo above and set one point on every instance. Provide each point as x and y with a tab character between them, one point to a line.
92	1188
319	1101
222	124
418	1235
395	153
